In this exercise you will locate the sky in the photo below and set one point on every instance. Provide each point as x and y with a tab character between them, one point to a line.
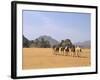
58	25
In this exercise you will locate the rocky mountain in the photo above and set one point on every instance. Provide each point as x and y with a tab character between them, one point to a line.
52	41
25	42
48	38
25	39
85	44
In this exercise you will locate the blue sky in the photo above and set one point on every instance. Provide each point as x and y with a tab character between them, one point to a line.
58	25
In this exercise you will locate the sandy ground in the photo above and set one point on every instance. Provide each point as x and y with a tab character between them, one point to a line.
44	58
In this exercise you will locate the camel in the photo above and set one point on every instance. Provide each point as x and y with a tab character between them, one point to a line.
62	50
67	50
78	50
74	51
55	49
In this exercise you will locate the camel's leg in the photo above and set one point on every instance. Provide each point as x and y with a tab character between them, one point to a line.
74	54
60	52
63	52
78	54
70	53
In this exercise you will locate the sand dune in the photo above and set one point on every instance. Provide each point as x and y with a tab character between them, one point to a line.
34	58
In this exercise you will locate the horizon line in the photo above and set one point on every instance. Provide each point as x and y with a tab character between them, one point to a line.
55	39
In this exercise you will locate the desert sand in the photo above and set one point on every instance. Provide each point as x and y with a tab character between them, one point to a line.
35	58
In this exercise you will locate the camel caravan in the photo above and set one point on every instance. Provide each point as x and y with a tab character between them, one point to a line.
72	51
67	50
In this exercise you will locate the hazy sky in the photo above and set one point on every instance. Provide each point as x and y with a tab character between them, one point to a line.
58	25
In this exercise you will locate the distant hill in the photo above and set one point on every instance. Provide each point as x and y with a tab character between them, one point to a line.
25	39
48	38
25	42
85	44
51	41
